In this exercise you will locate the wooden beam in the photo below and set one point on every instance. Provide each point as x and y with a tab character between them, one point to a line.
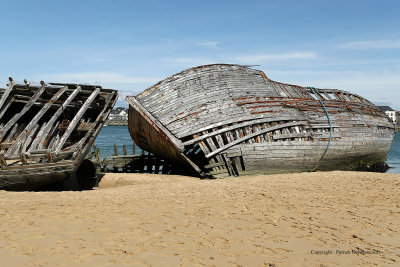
291	135
101	118
21	143
17	116
32	124
45	142
7	92
249	136
44	132
153	121
45	108
3	162
12	133
4	146
229	128
5	108
29	138
76	119
288	117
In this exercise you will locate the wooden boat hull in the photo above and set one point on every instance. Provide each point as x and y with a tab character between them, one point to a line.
22	179
46	130
227	120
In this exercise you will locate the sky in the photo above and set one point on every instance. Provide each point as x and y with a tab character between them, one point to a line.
131	45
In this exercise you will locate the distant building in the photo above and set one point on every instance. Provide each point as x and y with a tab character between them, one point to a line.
118	116
392	114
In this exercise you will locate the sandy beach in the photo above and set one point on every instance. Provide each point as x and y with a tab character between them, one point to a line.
308	219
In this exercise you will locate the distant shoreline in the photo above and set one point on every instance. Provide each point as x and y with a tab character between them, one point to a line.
115	123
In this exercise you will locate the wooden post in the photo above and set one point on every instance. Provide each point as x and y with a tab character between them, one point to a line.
124	148
115	150
134	149
98	154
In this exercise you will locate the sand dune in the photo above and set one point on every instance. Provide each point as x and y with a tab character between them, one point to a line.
160	220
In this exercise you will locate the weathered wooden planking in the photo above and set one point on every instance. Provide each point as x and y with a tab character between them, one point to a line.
45	131
15	118
251	135
238	125
37	126
224	108
75	120
33	123
6	93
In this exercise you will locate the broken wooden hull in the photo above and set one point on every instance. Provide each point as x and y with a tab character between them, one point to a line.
226	120
46	130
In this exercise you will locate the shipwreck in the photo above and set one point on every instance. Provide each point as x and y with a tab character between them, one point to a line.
229	120
47	129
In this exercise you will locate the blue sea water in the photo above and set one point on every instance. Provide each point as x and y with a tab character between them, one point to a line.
110	135
393	157
120	135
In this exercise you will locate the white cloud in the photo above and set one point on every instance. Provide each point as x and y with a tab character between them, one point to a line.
122	94
375	86
209	44
370	45
245	59
126	86
309	73
191	61
250	59
382	88
96	78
